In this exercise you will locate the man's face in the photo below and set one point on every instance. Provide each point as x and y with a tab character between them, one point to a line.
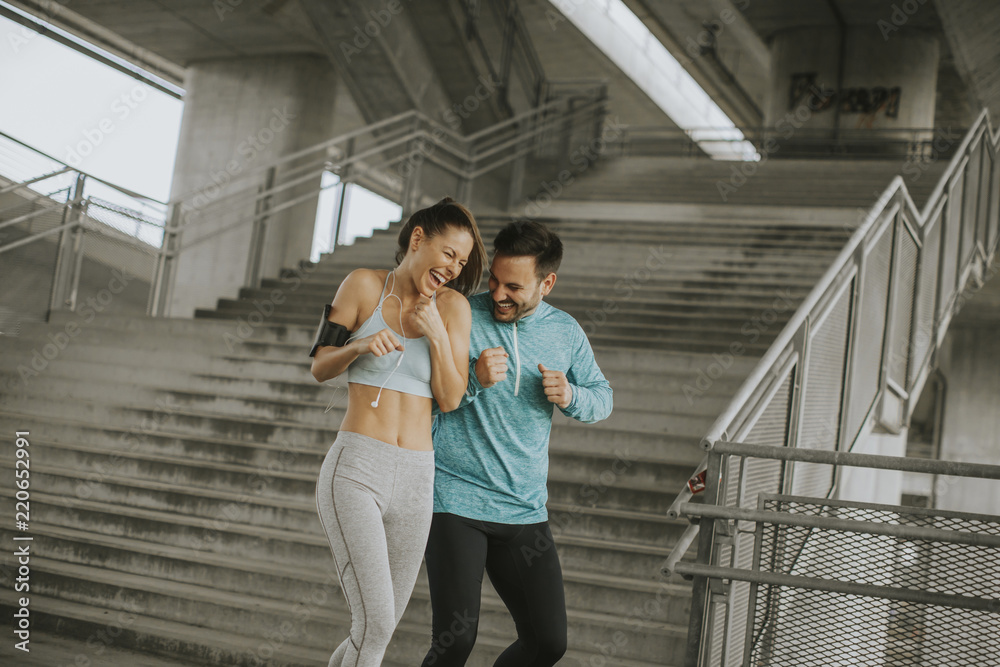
515	288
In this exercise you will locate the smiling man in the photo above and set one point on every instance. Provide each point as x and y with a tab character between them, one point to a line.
491	457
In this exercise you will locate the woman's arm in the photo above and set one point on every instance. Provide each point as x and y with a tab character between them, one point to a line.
330	360
448	335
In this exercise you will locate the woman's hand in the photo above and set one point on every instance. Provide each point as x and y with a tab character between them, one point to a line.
381	343
428	320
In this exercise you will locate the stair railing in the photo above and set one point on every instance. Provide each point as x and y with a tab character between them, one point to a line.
61	216
856	352
392	157
917	143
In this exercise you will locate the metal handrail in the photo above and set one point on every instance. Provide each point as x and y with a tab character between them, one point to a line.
894	194
68	168
426	128
718	429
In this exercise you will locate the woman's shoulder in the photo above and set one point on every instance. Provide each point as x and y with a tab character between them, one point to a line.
365	280
451	302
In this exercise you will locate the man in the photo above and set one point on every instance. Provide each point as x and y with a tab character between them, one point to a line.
491	457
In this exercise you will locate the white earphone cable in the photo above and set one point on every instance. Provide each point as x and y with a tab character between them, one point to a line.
336	394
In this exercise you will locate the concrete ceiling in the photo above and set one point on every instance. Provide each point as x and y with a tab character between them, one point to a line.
166	36
771	16
972	29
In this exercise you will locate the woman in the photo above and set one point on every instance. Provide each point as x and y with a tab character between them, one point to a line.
409	344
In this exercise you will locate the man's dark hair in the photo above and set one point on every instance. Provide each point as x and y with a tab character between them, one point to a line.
523	238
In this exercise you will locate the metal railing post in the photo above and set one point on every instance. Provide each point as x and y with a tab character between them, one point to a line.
706	543
258	234
78	244
166	260
65	270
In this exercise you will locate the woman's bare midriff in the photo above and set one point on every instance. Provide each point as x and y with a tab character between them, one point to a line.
400	419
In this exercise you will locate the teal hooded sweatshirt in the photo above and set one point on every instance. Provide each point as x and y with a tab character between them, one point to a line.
491	453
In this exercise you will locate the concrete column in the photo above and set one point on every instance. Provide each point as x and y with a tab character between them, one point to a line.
239	116
861	79
970	423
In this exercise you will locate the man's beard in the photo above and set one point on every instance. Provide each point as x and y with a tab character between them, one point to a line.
515	313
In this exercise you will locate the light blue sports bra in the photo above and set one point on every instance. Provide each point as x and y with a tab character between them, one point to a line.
408	371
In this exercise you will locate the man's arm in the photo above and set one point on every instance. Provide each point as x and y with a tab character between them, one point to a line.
491	365
592	398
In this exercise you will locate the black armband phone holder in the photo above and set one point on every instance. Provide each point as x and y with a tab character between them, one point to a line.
329	333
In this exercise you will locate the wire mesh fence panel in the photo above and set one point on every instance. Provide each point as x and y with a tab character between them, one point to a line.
759	476
970	198
898	354
923	317
983	207
803	627
822	393
141	226
952	229
868	354
993	228
27	271
116	274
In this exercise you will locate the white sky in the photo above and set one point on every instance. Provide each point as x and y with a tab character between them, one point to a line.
108	124
57	100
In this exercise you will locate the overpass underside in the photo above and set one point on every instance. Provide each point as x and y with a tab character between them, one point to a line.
833	293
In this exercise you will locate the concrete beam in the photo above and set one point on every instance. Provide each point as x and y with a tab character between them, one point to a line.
56	14
735	72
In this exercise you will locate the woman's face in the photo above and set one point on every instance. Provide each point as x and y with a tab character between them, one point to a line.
439	259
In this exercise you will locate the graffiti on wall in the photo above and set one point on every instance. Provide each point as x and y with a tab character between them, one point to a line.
868	102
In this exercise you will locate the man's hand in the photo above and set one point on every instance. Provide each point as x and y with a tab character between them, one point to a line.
557	388
491	367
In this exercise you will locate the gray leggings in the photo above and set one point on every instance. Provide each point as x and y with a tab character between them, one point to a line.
375	501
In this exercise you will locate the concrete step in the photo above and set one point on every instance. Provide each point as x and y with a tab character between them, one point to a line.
575	299
616	480
306	406
588	590
679	290
763	221
607	264
710	318
284	505
622	282
193	601
271	345
48	649
121	444
639	390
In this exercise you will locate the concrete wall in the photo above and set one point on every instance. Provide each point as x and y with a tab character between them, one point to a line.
905	68
875	486
970	429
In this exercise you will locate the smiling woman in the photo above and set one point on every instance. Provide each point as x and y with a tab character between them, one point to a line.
409	339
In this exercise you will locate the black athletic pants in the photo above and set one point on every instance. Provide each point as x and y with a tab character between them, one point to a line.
523	566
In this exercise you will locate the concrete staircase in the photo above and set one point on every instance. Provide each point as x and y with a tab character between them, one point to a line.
173	479
174	461
788	182
699	286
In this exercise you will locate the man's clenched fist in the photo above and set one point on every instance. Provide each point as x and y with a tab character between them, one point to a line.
556	386
491	367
